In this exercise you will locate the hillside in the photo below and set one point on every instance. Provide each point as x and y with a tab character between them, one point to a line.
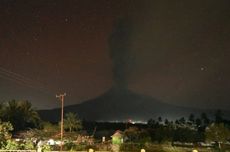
120	104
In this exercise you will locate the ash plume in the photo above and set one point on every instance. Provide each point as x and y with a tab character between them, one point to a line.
119	44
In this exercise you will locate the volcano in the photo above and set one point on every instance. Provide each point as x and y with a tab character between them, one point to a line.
119	104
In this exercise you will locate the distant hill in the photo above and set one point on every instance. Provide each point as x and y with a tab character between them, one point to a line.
121	105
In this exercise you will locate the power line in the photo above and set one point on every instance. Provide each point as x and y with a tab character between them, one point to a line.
18	76
22	80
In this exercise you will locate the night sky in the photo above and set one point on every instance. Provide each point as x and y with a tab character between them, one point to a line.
178	51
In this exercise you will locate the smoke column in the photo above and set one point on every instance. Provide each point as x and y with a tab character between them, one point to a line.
119	43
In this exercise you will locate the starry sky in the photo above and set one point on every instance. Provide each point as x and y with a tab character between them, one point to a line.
179	50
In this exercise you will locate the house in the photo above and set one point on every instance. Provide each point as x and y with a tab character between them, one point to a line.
117	137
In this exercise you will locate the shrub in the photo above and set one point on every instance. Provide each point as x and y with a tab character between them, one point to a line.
69	146
11	145
46	148
29	145
5	128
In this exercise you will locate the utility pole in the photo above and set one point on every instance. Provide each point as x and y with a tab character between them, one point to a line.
61	97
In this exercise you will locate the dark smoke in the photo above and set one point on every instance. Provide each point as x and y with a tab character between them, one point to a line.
119	44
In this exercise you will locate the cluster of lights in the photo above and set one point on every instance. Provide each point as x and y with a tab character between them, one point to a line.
130	121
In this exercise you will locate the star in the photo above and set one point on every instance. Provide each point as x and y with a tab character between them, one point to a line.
66	20
203	68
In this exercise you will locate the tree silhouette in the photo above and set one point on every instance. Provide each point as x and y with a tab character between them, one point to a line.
205	120
72	122
159	119
151	123
166	121
218	133
191	118
182	120
218	116
198	122
21	115
30	116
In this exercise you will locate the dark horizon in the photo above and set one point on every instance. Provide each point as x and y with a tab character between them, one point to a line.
177	53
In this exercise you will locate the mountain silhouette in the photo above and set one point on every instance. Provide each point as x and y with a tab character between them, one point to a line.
120	104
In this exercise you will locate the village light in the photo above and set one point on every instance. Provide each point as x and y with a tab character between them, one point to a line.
91	150
142	150
103	139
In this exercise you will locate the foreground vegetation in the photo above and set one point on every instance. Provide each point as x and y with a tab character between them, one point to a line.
22	128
